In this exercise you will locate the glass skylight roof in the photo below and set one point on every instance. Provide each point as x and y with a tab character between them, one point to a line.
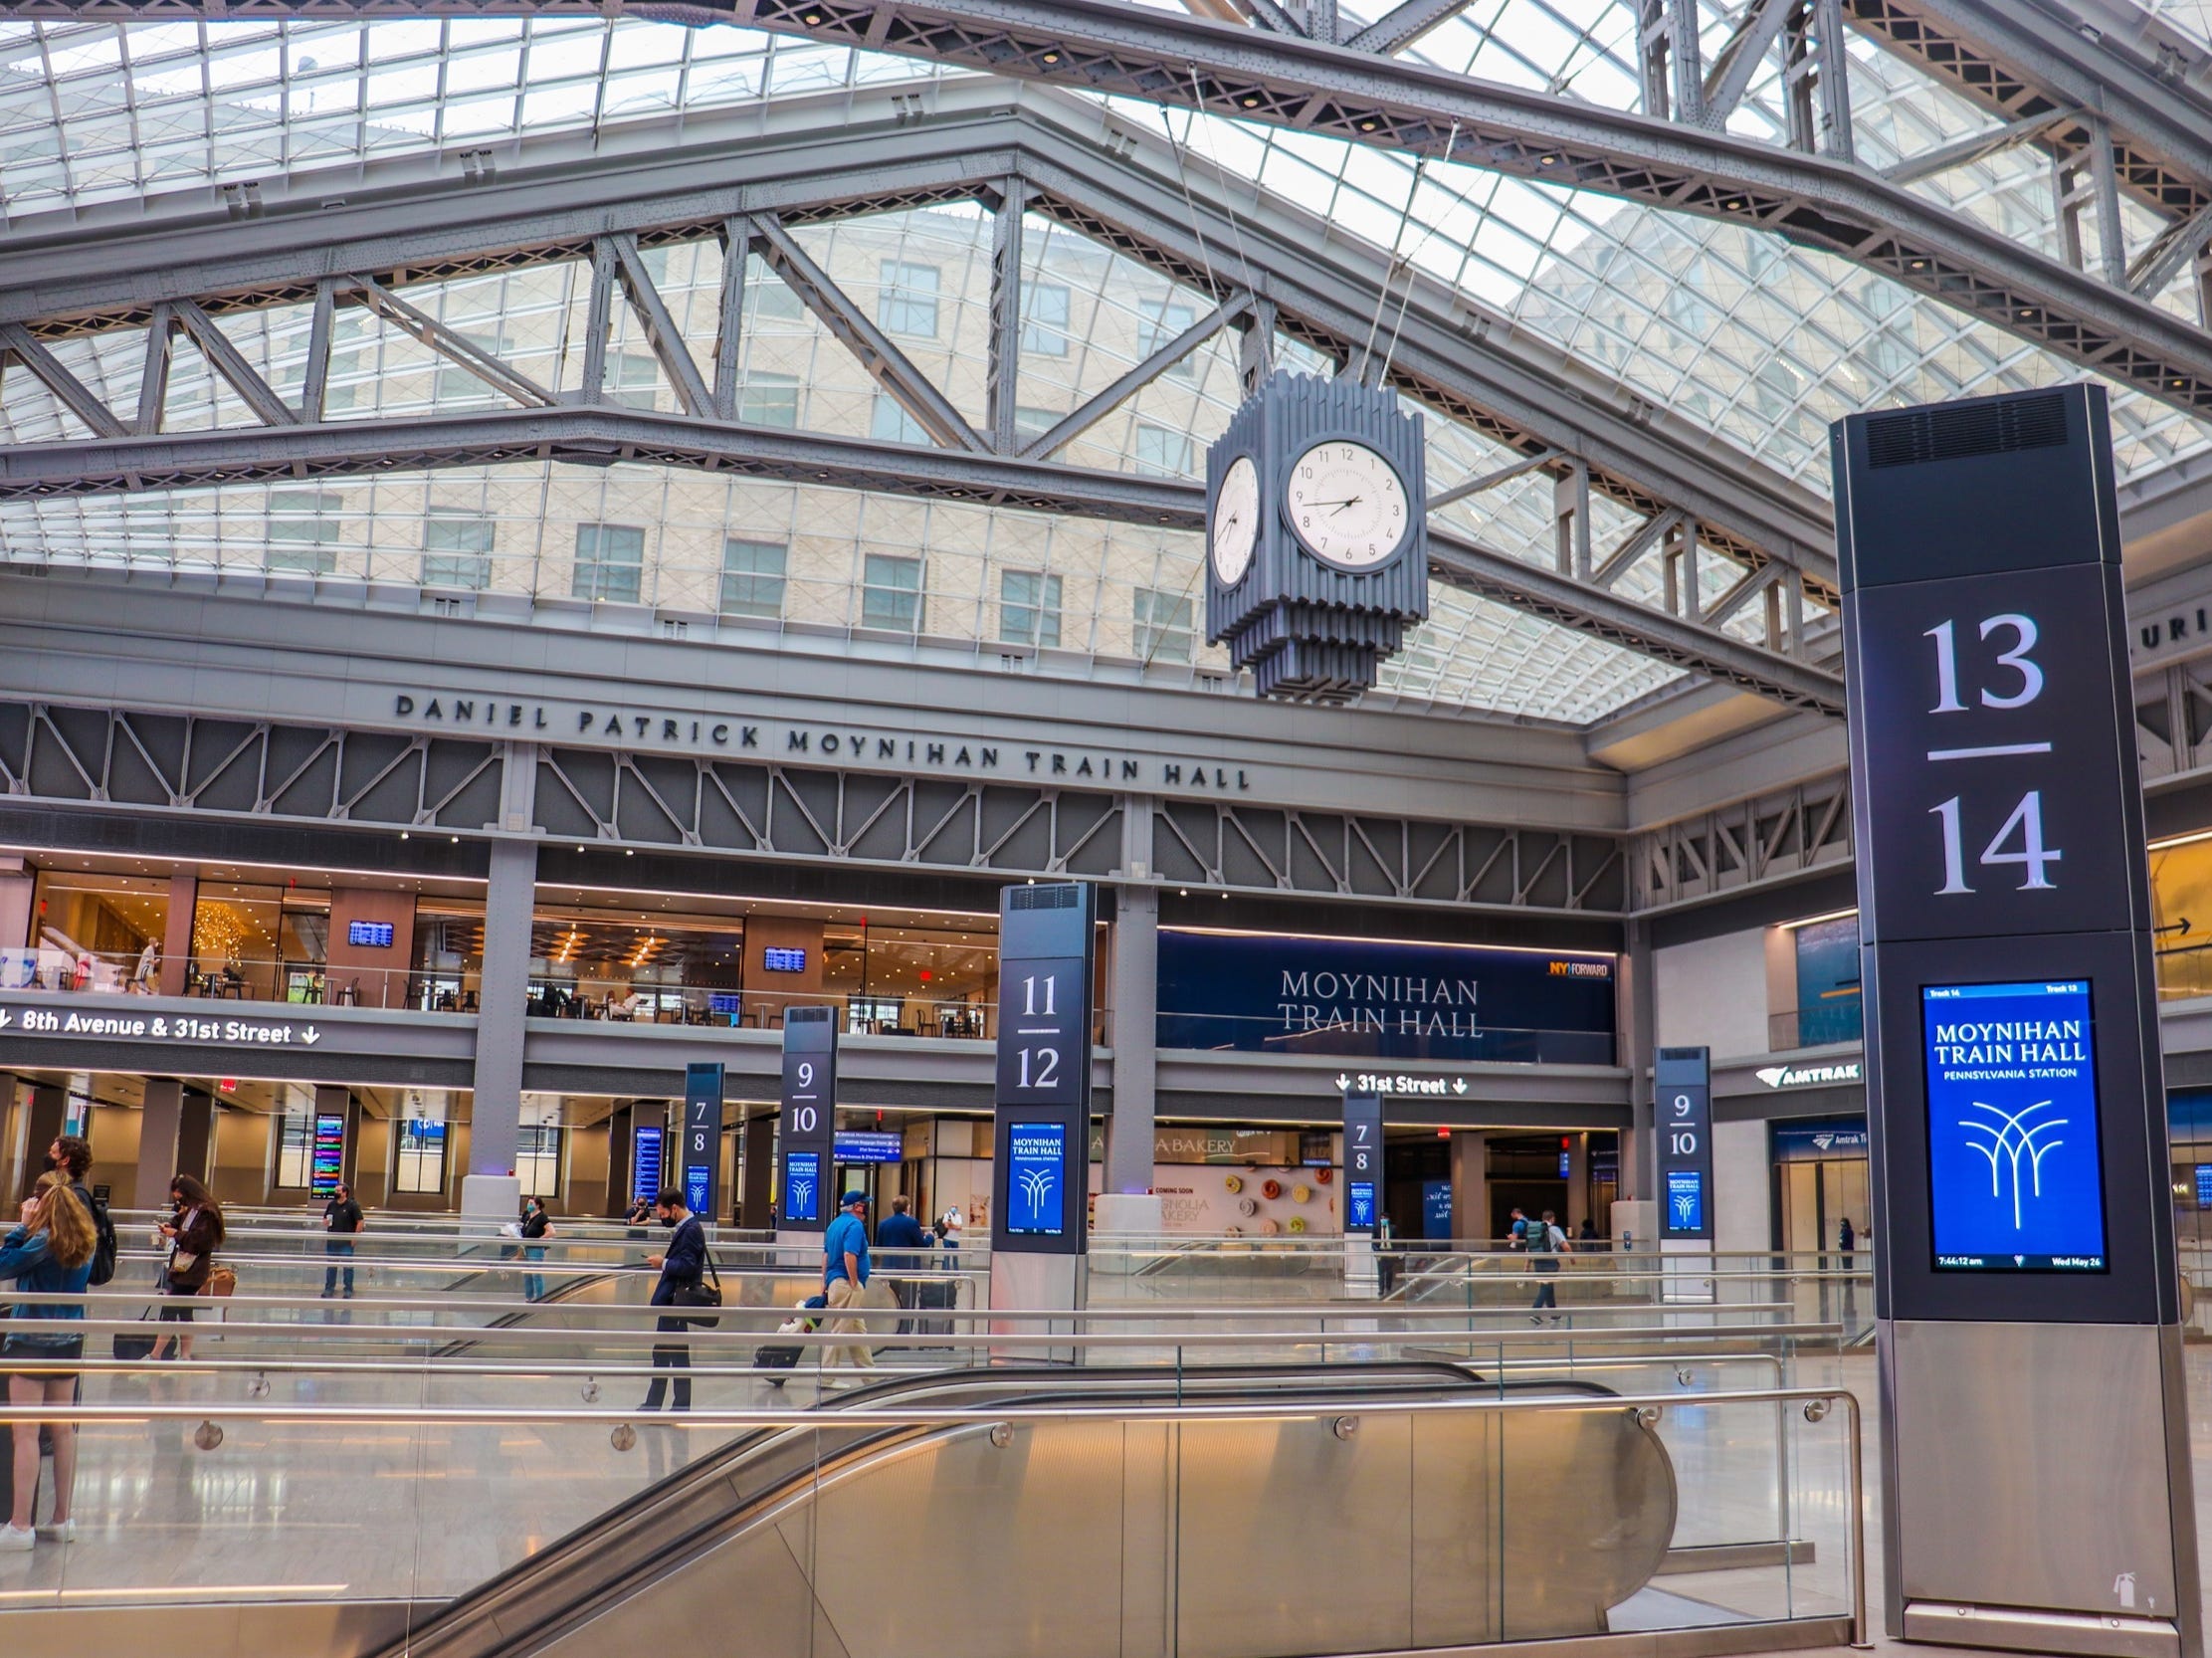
1726	330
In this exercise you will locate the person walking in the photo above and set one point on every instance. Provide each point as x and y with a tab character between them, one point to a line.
900	1231
1517	1231
684	1264
1847	1241
343	1221
50	1250
844	1277
537	1226
1543	1240
194	1232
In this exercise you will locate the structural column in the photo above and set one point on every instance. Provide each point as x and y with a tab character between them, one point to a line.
196	1136
176	936
760	1171
495	1118
1126	1199
16	885
48	1122
158	1123
1578	1183
1471	1186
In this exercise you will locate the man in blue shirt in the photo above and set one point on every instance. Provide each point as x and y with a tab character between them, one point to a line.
844	1277
685	1263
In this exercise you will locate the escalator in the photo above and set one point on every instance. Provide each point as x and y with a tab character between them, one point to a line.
1215	1537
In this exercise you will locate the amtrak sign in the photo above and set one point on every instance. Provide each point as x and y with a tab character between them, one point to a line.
1805	1075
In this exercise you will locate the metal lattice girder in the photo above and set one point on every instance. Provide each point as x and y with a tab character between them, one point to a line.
1115	46
2033	58
1197	229
604	435
174	763
1786	832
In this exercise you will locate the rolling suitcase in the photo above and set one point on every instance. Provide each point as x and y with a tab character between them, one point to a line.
787	1358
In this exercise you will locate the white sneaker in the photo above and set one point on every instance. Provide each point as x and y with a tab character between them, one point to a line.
65	1532
14	1540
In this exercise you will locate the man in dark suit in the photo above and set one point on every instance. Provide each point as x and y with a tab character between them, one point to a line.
684	1264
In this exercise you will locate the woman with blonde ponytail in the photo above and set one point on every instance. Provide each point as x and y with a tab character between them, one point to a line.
49	1250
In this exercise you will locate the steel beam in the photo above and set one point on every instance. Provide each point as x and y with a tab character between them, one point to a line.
1404	24
604	435
2028	58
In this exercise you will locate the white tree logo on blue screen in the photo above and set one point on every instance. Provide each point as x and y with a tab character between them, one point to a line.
2009	1138
1037	1185
2015	1181
802	1196
1685	1209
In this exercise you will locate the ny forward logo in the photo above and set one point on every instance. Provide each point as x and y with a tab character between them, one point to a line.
2009	1138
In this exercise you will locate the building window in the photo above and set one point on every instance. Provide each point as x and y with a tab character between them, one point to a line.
1031	424
906	298
769	400
304	530
349	360
1161	321
457	549
752	578
1161	451
633	379
610	562
1160	626
891	422
1029	608
455	382
768	296
421	1166
890	593
1045	318
537	1161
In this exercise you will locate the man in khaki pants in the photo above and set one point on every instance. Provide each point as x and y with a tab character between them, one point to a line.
844	1277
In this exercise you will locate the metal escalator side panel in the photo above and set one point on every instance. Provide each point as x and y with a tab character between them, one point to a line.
1254	1540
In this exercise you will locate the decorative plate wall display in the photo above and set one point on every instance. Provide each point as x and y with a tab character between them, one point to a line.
1232	1183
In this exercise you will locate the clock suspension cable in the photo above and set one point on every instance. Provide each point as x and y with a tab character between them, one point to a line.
1404	261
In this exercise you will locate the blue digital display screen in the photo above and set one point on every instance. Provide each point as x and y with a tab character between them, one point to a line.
869	1145
1686	1200
1035	1186
783	961
1359	1205
645	1166
802	1185
2204	1185
330	1156
369	935
724	1002
698	1189
2015	1175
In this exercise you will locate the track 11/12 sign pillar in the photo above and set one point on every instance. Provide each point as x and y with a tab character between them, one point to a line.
2036	1450
1041	1168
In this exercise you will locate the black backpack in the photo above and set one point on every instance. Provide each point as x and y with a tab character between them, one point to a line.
104	1252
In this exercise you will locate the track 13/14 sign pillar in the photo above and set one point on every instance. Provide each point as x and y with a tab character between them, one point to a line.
2036	1450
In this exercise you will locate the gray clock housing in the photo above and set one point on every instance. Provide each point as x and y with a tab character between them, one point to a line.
1308	629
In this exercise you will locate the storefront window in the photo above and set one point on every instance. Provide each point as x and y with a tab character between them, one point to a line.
90	932
2181	905
421	1165
537	1161
1828	1003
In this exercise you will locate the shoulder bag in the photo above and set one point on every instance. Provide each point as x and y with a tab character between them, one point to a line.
700	1293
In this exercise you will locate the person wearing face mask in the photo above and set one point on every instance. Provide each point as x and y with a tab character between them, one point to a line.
71	1156
193	1234
537	1229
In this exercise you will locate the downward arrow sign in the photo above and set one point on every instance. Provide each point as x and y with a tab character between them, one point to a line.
1458	1084
5	1018
1342	1081
310	1036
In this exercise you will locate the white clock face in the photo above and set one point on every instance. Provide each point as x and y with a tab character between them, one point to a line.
1347	504
1236	528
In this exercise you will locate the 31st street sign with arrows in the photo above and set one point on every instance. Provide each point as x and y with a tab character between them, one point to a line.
1400	1084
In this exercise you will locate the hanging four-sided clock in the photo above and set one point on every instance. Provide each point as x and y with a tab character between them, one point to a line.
1317	555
